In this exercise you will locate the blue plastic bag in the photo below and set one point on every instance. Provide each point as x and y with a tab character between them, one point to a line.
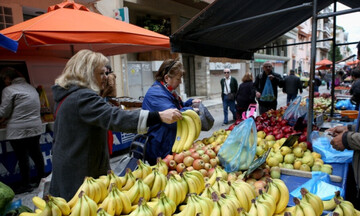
319	184
294	111
268	92
238	150
321	145
345	104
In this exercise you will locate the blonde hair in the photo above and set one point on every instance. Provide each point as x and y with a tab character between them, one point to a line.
247	77
79	70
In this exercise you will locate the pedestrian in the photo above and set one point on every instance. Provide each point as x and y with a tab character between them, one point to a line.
20	103
292	85
348	137
276	81
317	82
229	87
82	119
355	88
245	94
328	79
109	89
162	95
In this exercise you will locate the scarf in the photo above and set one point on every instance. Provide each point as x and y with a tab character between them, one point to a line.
174	93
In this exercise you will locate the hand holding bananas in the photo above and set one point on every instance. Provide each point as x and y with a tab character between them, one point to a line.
170	115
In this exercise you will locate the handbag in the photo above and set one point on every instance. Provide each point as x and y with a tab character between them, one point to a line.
230	96
207	120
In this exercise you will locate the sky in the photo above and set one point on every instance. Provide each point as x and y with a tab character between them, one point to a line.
350	23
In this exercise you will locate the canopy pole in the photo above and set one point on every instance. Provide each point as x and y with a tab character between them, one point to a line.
333	64
310	115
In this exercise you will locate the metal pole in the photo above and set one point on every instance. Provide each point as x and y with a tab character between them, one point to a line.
310	115
333	64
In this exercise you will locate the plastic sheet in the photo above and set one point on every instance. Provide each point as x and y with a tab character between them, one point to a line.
321	144
345	104
238	151
319	184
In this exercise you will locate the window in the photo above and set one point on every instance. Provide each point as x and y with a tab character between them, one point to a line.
6	19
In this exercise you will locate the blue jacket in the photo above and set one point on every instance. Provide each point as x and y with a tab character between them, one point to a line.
161	136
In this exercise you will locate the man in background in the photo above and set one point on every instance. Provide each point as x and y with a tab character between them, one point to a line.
229	87
291	86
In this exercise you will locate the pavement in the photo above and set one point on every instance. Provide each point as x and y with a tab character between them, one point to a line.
214	106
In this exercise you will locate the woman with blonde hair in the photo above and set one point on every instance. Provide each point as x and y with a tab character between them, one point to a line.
245	94
82	119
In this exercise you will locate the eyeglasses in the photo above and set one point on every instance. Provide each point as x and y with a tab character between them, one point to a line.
226	72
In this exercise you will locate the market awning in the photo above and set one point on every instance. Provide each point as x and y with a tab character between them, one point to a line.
227	28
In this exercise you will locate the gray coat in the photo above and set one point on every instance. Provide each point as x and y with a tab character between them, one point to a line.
351	140
80	136
21	104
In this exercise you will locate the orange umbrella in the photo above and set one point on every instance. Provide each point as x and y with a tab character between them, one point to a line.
324	62
68	27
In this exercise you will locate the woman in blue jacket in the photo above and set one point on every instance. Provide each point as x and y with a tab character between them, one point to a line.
161	96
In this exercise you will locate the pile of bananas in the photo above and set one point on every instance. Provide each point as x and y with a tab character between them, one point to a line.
278	190
156	182
196	204
264	205
218	172
345	208
116	202
176	189
163	205
188	130
195	181
53	206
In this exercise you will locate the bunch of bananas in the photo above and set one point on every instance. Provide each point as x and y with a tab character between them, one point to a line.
266	200
197	204
330	205
278	190
84	206
221	186
143	209
218	172
53	206
142	170
188	130
345	208
93	188
176	189
156	182
195	181
244	192
102	212
302	207
163	205
224	205
116	202
137	191
129	180
314	200
111	178
161	166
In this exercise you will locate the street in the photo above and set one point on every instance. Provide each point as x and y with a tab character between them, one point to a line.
217	112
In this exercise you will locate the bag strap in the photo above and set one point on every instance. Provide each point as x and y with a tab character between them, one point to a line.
59	105
226	86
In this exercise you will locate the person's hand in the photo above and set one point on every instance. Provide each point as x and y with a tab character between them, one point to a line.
170	116
197	100
271	77
335	131
258	94
336	142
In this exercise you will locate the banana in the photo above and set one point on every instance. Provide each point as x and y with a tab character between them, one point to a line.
314	200
248	189
273	190
96	190
38	202
142	209
216	210
161	166
38	211
103	189
180	195
268	200
330	205
191	132
55	210
149	179
298	211
76	210
126	203
157	186
129	180
85	210
28	214
196	118
242	197
62	204
102	212
92	205
307	208
348	208
338	208
253	210
205	204
145	189
212	179
183	137
177	137
284	195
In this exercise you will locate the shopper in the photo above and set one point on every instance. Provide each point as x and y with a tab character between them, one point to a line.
162	95
245	94
21	105
355	88
348	137
229	87
276	81
82	119
292	85
110	84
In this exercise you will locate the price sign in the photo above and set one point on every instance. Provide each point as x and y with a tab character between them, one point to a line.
257	163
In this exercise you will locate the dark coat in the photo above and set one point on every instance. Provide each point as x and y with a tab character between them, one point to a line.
80	137
276	82
233	86
355	91
246	94
292	85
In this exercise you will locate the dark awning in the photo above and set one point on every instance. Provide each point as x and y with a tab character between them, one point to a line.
206	35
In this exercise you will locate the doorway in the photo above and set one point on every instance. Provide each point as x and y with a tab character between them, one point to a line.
189	76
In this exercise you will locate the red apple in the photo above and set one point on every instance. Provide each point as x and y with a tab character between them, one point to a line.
211	153
166	160
186	153
192	150
173	172
302	138
205	158
213	162
204	172
279	136
188	161
169	157
195	155
172	164
180	167
198	164
211	171
200	151
179	158
190	168
208	166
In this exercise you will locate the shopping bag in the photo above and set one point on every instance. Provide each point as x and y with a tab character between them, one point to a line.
251	111
321	144
344	104
268	92
207	120
238	150
294	111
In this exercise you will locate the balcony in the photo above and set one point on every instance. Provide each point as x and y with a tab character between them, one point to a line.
324	45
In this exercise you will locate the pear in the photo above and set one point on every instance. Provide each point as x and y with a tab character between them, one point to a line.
303	145
316	155
285	150
288	166
261	134
316	167
289	158
270	137
259	150
308	159
305	167
273	161
297	164
279	157
298	152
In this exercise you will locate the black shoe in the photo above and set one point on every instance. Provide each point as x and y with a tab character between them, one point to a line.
23	189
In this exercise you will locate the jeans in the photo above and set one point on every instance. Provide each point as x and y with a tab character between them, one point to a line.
25	148
228	104
290	97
